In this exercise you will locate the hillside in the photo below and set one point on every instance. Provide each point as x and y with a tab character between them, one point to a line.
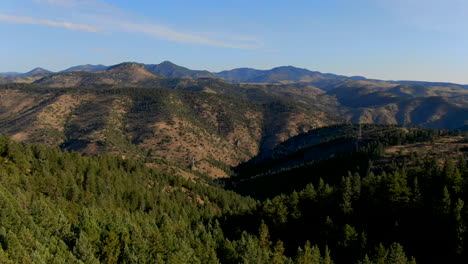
202	130
407	105
433	84
435	112
357	148
62	207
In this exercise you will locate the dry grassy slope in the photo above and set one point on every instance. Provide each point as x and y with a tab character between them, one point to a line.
445	146
20	113
449	146
184	128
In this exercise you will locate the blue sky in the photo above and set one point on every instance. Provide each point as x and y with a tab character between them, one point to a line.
385	39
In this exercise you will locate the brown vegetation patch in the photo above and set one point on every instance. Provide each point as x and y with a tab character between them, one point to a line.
447	146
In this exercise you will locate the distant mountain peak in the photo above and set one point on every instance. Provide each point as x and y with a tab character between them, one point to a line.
126	65
168	63
131	71
87	67
171	70
288	67
37	71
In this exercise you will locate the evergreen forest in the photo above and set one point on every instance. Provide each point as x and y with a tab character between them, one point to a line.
62	207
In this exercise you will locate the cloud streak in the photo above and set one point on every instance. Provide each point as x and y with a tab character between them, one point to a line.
166	33
46	22
58	2
98	16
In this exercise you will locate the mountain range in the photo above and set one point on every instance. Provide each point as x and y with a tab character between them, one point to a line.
166	114
283	74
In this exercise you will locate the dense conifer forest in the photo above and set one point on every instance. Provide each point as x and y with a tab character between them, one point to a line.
59	207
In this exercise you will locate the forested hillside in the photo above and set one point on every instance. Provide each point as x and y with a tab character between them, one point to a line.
187	128
64	208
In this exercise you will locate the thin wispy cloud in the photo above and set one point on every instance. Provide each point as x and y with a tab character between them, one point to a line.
47	22
166	33
58	2
96	16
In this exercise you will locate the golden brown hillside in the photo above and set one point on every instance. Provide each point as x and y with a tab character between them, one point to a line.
201	131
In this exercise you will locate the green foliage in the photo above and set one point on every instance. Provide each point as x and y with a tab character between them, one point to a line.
64	208
419	208
61	207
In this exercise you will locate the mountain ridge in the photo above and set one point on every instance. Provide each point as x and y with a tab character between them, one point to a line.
123	74
86	67
280	74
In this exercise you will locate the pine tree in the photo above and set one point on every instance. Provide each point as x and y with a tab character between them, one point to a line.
347	195
381	255
278	254
365	260
308	255
349	235
264	237
460	227
327	259
416	198
446	201
356	186
397	254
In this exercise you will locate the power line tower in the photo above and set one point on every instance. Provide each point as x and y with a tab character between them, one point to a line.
358	137
360	132
193	163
